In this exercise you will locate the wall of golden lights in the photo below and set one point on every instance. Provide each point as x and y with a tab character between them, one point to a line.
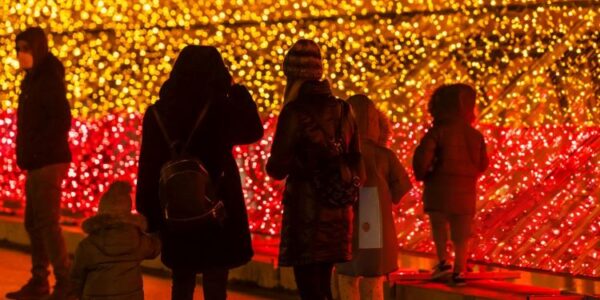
535	65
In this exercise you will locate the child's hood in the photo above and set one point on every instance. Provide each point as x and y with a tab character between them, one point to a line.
367	117
115	235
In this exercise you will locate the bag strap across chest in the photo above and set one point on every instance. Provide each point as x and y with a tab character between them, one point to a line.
336	141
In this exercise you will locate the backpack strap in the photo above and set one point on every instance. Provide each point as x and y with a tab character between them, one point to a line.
198	121
163	129
172	144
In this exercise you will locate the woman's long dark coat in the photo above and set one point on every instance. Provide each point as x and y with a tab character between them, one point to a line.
311	232
231	120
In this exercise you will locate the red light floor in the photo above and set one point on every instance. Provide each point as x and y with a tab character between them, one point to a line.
581	286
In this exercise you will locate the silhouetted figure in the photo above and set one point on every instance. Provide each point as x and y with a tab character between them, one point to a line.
107	262
449	159
43	123
375	246
199	77
314	235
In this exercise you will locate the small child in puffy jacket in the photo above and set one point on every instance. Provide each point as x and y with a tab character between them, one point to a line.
107	261
449	159
388	178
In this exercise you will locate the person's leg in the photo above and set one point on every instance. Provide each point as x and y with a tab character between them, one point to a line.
184	283
307	282
38	285
39	255
214	284
348	287
48	193
439	231
372	288
324	274
460	229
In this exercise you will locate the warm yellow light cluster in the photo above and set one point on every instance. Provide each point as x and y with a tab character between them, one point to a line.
532	64
75	15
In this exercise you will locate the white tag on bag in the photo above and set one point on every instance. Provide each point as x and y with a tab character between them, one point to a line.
369	219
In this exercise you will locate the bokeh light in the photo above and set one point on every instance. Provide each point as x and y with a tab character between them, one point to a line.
535	65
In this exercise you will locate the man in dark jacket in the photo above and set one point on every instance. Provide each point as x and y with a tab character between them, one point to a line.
43	122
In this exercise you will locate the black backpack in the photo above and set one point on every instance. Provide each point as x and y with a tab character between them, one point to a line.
186	191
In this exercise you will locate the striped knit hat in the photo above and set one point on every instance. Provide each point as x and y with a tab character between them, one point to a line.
303	61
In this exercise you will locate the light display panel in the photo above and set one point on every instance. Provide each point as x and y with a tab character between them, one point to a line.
535	64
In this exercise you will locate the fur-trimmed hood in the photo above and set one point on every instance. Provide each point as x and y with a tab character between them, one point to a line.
115	234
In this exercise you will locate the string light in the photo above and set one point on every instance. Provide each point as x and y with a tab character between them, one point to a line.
535	66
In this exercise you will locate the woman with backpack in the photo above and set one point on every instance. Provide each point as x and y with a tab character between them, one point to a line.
200	115
315	146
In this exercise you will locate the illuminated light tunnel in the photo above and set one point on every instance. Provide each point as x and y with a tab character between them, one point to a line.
535	64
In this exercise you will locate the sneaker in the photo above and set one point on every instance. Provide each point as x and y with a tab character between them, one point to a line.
33	289
441	270
458	279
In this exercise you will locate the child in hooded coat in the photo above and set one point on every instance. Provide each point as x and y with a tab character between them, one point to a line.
385	173
449	159
107	261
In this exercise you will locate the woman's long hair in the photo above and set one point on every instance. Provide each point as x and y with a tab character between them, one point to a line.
198	76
